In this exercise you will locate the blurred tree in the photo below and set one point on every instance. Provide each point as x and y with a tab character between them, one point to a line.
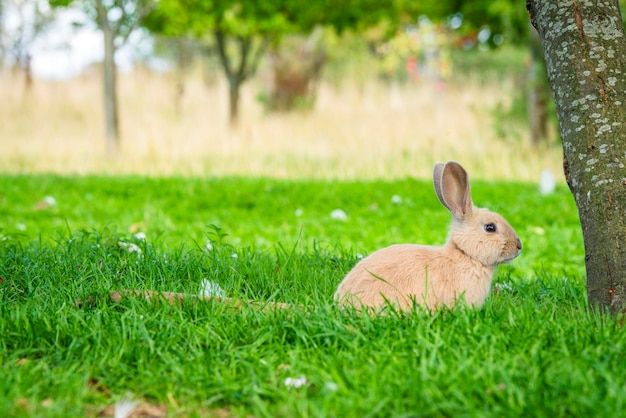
507	21
116	19
2	41
294	68
243	30
182	50
30	19
585	51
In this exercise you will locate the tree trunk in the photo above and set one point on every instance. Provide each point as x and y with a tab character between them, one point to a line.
110	94
183	63
26	64
249	58
110	82
235	75
233	103
585	52
295	67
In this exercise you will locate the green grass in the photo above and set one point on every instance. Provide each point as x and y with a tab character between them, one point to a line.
534	349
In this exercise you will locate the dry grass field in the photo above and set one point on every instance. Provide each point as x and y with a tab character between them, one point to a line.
375	131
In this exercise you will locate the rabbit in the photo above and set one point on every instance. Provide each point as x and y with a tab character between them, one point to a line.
407	275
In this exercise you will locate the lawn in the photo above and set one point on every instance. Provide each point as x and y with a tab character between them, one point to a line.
534	349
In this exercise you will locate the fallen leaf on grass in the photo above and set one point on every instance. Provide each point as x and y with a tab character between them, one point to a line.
136	227
45	203
497	388
99	387
220	413
22	403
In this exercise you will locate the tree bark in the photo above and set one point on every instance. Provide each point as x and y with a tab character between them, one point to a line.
585	52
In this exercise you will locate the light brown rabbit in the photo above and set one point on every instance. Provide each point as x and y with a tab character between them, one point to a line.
462	269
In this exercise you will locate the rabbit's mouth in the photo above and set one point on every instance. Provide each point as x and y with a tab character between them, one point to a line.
507	260
511	250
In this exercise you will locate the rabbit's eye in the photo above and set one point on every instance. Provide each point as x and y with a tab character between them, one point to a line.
490	227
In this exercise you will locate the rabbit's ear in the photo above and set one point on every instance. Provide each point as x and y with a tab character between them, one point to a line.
453	188
438	181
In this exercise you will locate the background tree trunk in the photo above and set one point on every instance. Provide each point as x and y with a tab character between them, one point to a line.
585	52
110	82
248	57
110	94
234	86
295	67
183	61
538	91
2	35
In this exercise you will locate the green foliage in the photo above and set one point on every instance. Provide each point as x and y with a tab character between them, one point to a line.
262	18
510	116
292	73
504	17
122	16
198	17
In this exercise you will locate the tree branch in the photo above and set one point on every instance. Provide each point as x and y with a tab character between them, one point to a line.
258	54
244	50
142	10
220	40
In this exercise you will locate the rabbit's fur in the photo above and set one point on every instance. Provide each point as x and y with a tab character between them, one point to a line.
462	269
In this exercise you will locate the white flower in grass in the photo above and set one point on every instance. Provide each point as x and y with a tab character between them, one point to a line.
504	287
359	256
538	230
331	386
130	247
295	382
547	182
298	212
396	200
124	408
339	215
210	289
49	200
140	236
234	255
20	226
208	245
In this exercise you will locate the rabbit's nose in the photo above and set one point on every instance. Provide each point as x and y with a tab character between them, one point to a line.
519	244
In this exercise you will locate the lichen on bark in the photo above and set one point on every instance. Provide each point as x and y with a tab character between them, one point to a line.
585	52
